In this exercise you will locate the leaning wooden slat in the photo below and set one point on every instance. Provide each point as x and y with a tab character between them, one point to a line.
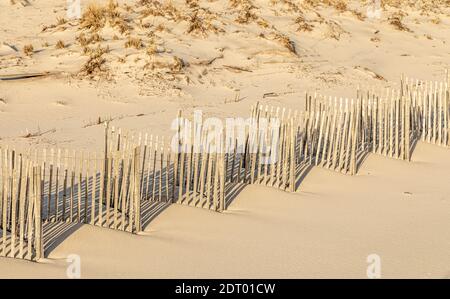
115	194
267	158
320	140
28	226
108	183
259	159
254	147
22	198
86	189
49	195
144	157
408	130
149	168
137	196
344	137
131	194
375	122
222	185
182	156
57	182
332	135
161	165
355	138
30	213
280	160
155	155
101	196
391	125
72	194
5	211
397	126
328	125
13	211
241	164
209	171
262	167
349	133
338	136
197	158
80	180
215	187
188	173
247	154
439	120
286	149
37	212
64	196
435	112
202	176
124	189
446	115
380	125
167	154
293	166
3	203
177	156
94	189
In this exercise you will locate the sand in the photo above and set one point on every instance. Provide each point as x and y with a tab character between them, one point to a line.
392	208
395	209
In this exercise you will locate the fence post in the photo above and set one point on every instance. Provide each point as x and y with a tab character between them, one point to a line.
137	190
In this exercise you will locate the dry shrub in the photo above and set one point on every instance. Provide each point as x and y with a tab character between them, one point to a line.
60	45
339	5
28	50
200	23
166	10
85	40
134	42
303	25
93	17
96	16
245	10
60	21
286	42
178	64
334	30
396	21
151	49
291	6
192	3
282	39
95	63
436	20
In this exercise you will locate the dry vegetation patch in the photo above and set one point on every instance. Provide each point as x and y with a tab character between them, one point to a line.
28	50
